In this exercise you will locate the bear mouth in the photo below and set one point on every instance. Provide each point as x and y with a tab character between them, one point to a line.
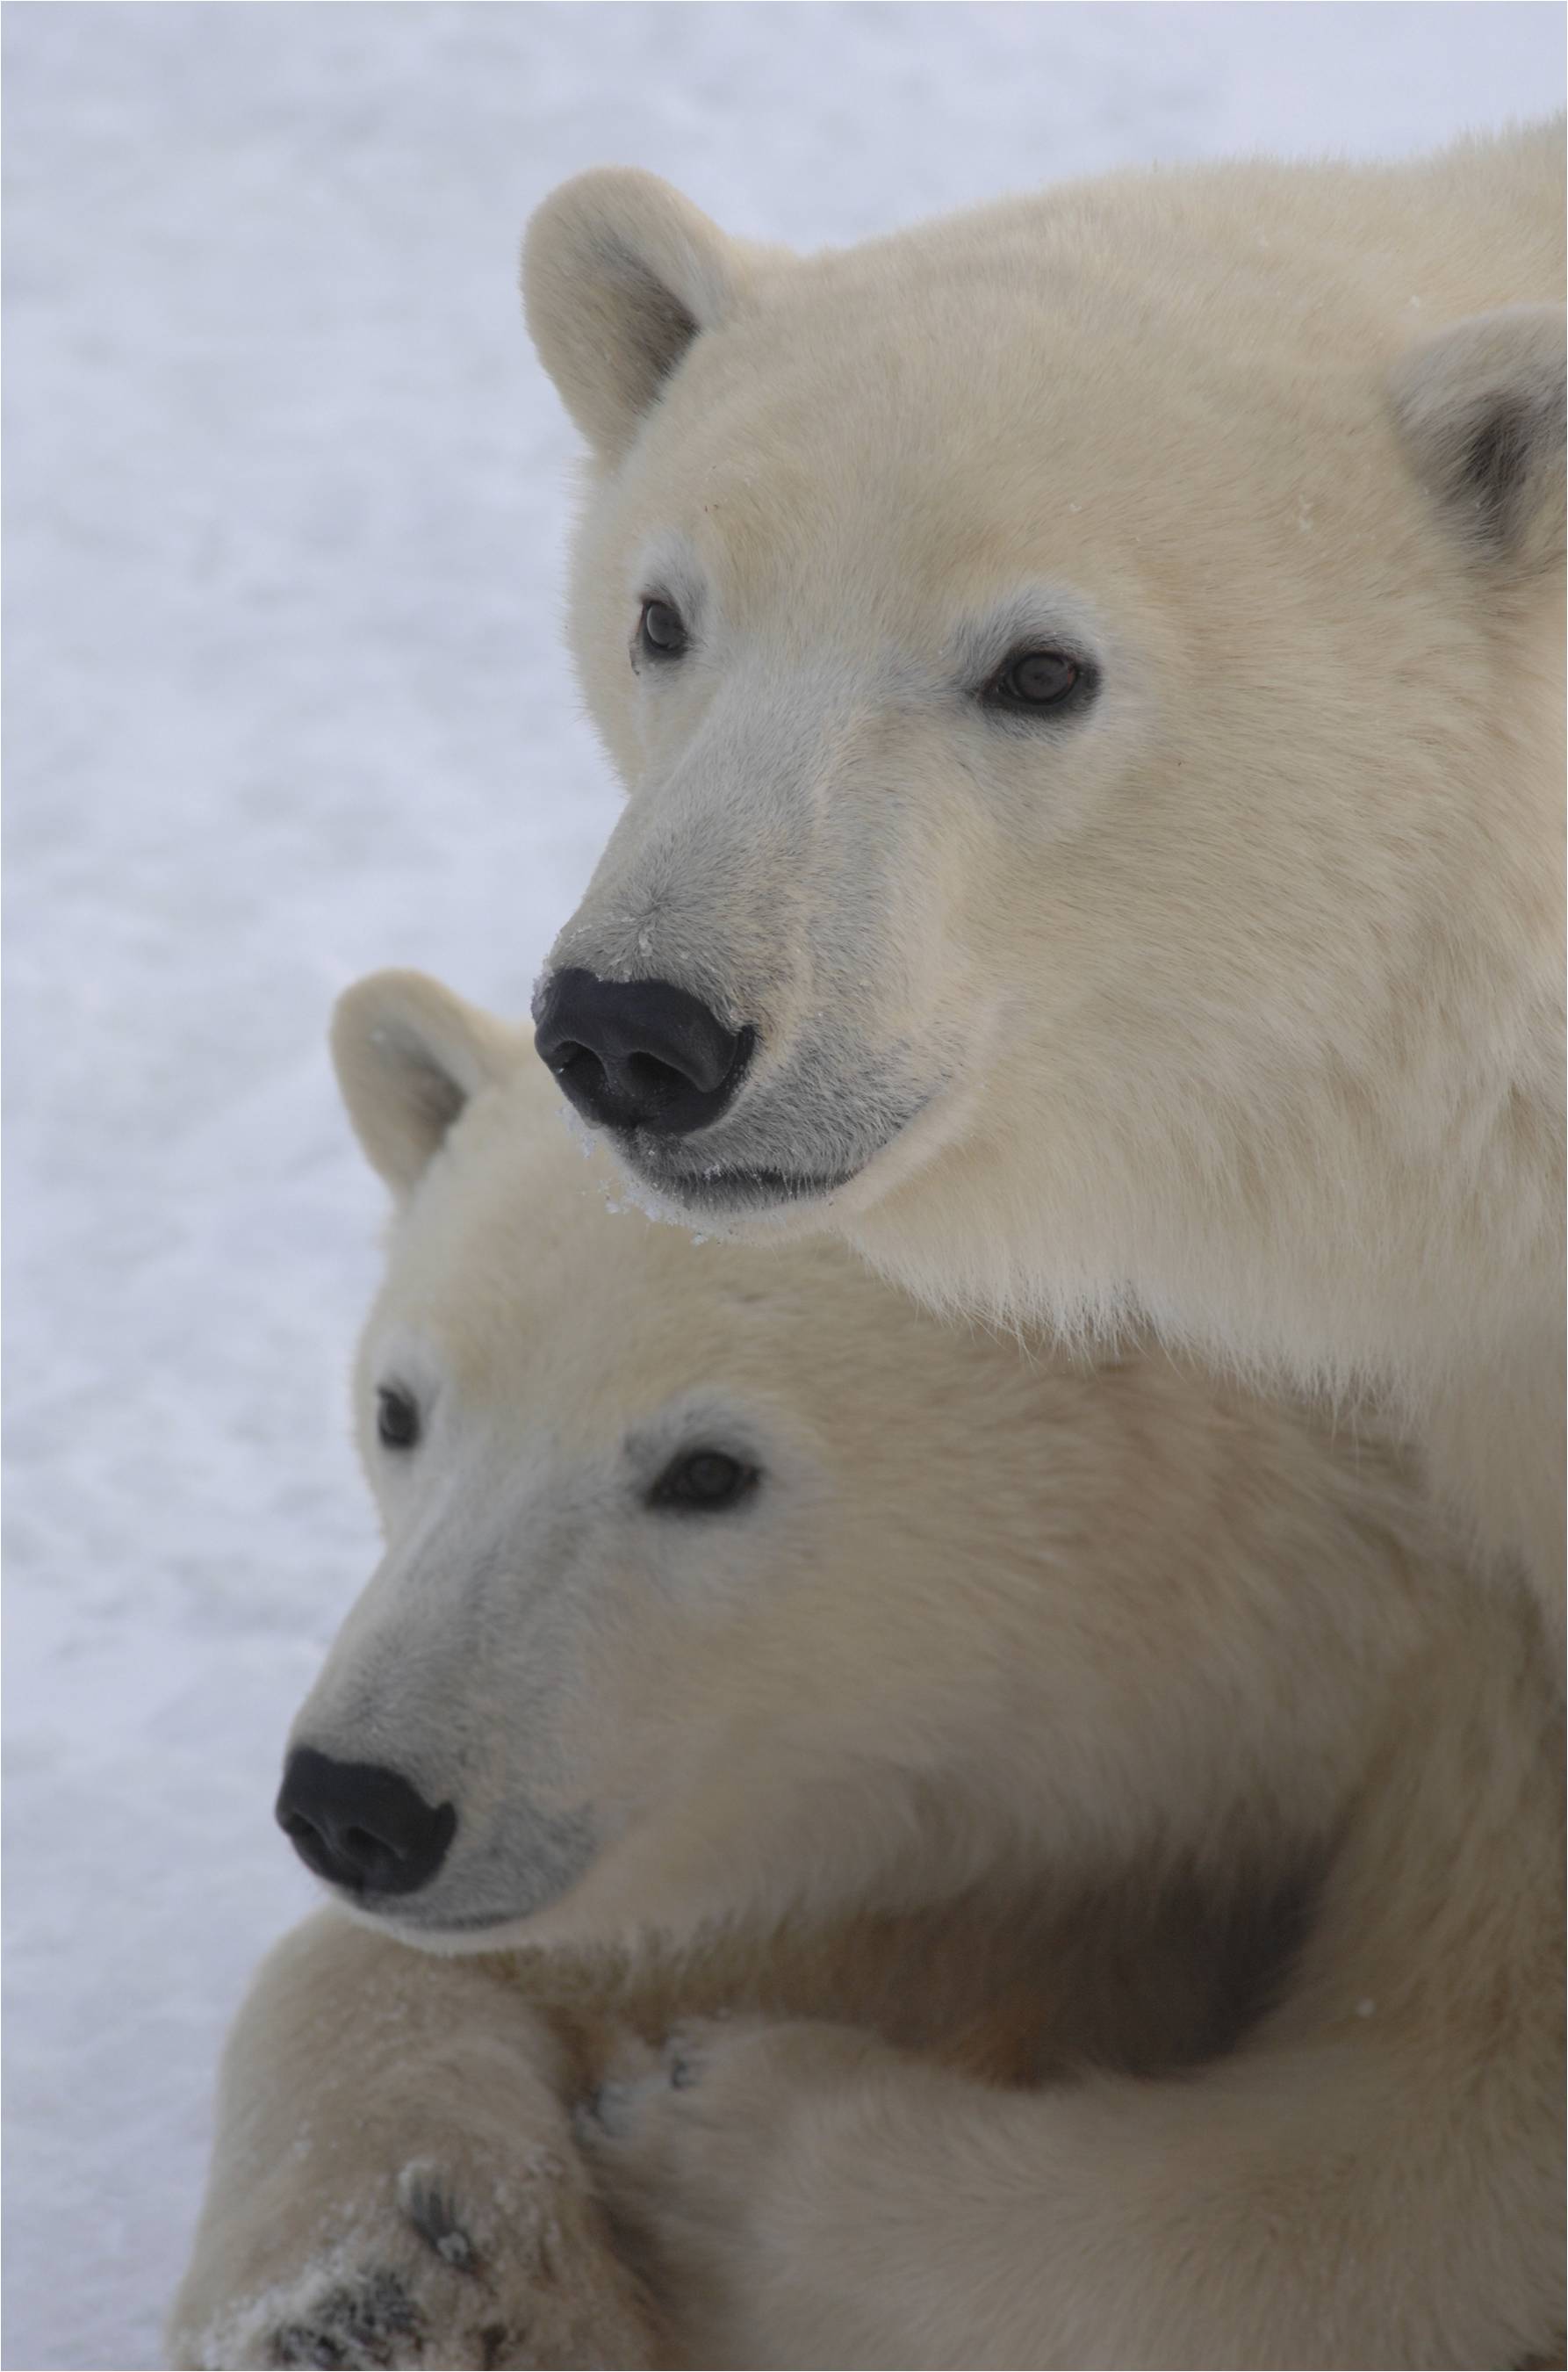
473	1923
725	1187
740	1189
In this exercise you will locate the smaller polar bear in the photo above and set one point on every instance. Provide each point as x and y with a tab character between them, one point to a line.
1167	1827
1089	676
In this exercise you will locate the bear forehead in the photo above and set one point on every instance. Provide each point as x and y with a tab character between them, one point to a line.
879	385
793	447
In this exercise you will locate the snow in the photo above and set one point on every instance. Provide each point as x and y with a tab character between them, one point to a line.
286	701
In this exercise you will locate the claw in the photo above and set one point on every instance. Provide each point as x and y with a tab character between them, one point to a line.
297	2344
429	2208
354	2326
610	2110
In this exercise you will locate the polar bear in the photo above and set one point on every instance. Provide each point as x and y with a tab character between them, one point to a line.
1159	1819
1088	675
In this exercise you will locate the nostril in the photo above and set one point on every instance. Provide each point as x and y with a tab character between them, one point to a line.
580	1073
650	1080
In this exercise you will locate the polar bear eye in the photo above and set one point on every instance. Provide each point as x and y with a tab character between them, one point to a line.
661	630
397	1417
704	1482
1039	679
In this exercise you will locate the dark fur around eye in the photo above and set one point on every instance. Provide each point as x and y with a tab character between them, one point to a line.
661	630
397	1417
704	1482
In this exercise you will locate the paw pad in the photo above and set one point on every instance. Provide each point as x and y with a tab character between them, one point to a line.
356	2324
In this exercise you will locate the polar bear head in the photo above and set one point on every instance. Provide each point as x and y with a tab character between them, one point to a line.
1080	672
725	1581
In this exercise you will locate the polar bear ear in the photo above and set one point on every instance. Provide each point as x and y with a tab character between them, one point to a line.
1481	409
410	1056
621	273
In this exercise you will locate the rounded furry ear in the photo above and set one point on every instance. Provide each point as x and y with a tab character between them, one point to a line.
621	273
410	1055
1481	409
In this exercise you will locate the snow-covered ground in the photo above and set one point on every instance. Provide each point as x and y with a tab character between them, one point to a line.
285	702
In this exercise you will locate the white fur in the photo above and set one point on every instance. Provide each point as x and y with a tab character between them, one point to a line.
1020	1693
1231	1004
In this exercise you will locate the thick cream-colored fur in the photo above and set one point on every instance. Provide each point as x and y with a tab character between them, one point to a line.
1231	1001
1162	1826
397	2176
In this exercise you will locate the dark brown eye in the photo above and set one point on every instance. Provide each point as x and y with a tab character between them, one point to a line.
397	1417
1037	679
704	1482
662	630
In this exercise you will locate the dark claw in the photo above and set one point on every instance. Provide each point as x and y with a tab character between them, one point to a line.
430	2210
296	2344
352	2327
611	2107
682	2064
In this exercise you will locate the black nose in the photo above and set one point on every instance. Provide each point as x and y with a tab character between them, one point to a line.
361	1825
639	1054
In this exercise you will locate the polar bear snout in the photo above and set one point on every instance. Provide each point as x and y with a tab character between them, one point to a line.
638	1054
362	1826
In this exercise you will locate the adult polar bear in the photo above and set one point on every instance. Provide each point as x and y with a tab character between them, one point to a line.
1090	678
983	1699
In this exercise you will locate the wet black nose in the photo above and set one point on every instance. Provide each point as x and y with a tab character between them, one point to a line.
361	1825
639	1054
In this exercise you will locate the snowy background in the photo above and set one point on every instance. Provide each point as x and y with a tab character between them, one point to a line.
285	702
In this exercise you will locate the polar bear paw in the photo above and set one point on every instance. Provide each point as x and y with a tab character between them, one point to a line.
428	2281
367	2319
696	2147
